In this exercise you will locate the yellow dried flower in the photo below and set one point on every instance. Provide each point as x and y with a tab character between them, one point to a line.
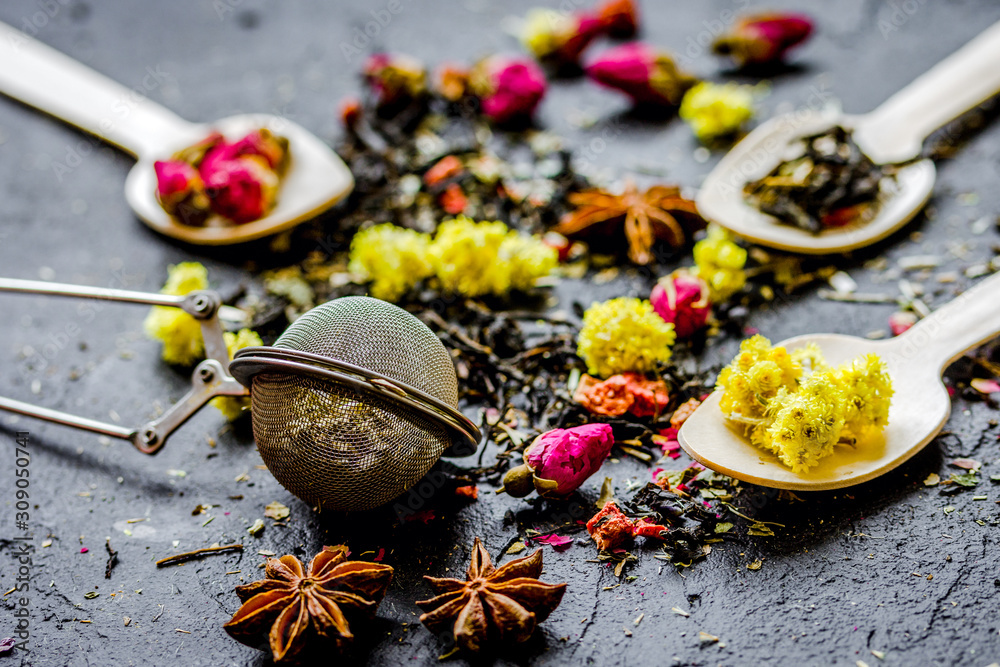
719	262
545	31
395	259
233	406
179	332
477	258
716	110
622	335
796	406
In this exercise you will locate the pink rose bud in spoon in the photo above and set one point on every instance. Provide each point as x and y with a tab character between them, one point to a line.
241	190
646	75
559	461
763	39
181	191
509	89
682	300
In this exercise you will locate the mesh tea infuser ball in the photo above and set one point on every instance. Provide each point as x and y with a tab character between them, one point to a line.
354	403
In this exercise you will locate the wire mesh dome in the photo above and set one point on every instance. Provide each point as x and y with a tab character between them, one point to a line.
353	404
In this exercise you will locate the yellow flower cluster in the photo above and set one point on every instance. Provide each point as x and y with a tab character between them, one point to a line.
179	332
719	262
715	110
798	407
393	258
622	335
233	406
465	257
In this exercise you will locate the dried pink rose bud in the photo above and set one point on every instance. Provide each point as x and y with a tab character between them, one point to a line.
395	78
181	192
509	89
559	461
241	190
560	39
682	300
262	143
646	75
763	39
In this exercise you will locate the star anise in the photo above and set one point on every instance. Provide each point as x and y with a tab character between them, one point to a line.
492	604
291	605
646	216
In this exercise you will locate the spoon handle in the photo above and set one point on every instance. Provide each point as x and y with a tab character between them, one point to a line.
895	131
969	320
55	83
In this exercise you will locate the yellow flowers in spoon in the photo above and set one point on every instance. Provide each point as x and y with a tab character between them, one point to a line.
795	405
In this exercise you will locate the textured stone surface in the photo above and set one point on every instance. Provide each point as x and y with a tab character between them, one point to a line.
840	578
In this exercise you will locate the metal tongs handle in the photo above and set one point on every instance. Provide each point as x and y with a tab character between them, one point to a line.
211	377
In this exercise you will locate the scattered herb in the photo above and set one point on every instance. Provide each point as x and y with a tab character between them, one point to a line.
112	559
277	511
294	605
197	553
504	603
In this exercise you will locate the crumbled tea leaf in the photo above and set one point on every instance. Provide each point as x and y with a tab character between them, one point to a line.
706	638
607	493
932	479
91	595
949	509
755	565
760	530
723	527
256	528
516	548
832	184
969	479
680	612
275	510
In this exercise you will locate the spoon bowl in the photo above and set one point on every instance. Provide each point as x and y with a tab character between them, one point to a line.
316	179
48	80
891	134
919	408
721	198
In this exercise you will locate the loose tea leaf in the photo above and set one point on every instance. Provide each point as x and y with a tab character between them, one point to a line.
832	184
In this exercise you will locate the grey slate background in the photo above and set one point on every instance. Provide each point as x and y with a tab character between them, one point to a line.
835	583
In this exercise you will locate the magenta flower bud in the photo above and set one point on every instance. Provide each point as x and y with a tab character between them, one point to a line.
265	145
181	191
395	78
241	190
646	75
763	39
559	461
682	300
509	89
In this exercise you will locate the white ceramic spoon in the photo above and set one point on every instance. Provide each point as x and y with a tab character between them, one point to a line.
55	83
919	408
892	133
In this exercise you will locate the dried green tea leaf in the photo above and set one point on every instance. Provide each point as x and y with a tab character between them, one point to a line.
516	548
969	479
607	493
91	595
723	527
949	509
760	529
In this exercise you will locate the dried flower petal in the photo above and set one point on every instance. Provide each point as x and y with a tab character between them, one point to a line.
181	192
395	78
715	110
611	529
559	38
